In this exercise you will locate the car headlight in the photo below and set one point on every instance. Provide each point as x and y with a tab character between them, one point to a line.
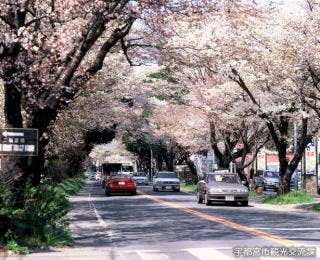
242	190
215	190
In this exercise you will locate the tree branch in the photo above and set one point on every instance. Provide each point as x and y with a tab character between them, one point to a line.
117	35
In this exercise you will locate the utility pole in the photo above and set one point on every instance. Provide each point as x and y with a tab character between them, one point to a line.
295	144
266	159
316	170
151	164
303	170
255	164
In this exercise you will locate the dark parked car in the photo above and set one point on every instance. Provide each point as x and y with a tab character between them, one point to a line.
258	179
222	186
295	182
268	180
120	184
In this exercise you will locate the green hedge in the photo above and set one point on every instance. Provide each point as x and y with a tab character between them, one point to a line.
41	222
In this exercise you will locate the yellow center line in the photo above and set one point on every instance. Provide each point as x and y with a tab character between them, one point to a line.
223	221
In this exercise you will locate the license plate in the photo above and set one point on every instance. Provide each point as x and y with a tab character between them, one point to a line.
168	187
229	198
121	183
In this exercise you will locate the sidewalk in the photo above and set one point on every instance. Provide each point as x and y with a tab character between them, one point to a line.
292	208
190	192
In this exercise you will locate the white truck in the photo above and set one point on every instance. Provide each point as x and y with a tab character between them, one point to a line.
113	168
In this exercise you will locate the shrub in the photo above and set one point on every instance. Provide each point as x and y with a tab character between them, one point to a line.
16	248
42	221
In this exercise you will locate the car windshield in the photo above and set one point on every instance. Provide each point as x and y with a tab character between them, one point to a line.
230	178
271	175
142	174
167	175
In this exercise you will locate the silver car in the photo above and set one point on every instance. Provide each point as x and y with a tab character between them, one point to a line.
271	180
222	186
166	181
141	178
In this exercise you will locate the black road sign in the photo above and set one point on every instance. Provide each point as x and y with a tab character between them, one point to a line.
19	141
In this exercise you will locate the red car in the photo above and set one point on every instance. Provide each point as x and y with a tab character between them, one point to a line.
120	184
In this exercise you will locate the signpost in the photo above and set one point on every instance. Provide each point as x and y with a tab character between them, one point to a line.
19	142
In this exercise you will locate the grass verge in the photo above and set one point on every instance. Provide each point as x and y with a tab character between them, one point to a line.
190	187
72	186
293	197
253	194
42	220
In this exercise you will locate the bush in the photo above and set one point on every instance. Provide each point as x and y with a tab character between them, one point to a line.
41	222
190	187
16	248
293	197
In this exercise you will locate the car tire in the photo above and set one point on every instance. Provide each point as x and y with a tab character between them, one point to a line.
177	190
199	199
107	193
245	203
134	193
206	200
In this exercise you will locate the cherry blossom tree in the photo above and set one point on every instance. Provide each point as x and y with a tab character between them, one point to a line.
51	50
255	50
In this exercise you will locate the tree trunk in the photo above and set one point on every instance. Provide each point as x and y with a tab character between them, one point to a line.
41	120
36	167
14	167
284	172
285	180
286	168
193	169
12	106
169	160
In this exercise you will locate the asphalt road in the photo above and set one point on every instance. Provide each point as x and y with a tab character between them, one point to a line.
171	225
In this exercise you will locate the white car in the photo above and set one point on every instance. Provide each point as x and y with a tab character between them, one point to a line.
140	178
166	181
97	176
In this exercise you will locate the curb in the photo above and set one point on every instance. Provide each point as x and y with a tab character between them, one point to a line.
189	192
289	208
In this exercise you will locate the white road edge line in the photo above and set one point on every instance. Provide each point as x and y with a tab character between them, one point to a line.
208	253
98	216
152	255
